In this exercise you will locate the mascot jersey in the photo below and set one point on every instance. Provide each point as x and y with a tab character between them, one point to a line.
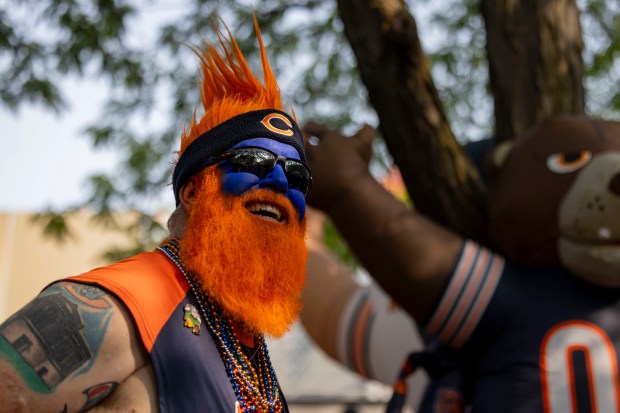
188	369
528	339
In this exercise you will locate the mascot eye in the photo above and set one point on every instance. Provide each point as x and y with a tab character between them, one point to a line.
564	163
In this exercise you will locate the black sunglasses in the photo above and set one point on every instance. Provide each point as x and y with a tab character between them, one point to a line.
260	162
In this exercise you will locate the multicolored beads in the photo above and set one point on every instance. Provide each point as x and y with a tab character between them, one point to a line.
255	392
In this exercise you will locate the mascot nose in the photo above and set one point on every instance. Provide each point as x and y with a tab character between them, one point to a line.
614	184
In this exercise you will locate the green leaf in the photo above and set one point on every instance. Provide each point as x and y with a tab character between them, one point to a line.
54	224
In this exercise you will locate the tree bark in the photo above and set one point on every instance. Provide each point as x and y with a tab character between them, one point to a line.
536	69
441	181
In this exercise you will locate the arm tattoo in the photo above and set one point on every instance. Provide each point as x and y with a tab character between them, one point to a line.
97	393
94	395
89	295
56	335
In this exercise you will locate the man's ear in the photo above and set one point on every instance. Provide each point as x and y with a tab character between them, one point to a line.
188	192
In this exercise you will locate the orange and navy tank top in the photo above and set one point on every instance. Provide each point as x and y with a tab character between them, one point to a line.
189	372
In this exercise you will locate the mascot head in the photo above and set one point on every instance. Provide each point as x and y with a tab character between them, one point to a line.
240	185
555	198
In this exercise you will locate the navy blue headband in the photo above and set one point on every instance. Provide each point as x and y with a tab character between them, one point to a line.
266	123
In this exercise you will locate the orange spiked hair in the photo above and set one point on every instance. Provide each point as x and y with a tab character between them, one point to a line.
228	87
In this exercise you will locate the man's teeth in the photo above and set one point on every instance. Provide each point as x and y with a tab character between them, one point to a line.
266	210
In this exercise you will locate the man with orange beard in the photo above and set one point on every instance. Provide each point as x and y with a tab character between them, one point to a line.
181	328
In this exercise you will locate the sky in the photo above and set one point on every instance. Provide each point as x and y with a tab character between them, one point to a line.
45	160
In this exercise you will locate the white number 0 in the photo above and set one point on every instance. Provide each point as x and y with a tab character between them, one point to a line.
557	374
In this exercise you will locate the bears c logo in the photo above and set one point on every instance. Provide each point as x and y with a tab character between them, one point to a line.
268	122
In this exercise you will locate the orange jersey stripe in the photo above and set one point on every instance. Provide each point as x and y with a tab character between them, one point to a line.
456	284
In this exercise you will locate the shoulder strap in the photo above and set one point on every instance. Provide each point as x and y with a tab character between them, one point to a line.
149	284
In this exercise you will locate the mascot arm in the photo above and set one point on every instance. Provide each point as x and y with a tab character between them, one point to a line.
409	255
329	287
356	324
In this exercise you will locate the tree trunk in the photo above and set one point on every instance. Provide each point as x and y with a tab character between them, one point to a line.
441	181
534	52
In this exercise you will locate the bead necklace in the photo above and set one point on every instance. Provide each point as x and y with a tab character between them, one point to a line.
255	393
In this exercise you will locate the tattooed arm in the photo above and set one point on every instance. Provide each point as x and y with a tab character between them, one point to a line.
66	351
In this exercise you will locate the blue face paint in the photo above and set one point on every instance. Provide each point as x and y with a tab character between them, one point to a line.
236	183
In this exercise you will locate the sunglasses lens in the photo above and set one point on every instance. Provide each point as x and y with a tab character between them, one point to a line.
298	176
253	160
261	162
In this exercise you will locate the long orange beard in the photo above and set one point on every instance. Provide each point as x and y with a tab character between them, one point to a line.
253	267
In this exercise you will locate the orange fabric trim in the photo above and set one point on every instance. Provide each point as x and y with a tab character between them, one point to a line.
149	284
359	339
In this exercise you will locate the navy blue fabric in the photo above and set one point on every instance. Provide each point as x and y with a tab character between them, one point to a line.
189	371
188	368
501	363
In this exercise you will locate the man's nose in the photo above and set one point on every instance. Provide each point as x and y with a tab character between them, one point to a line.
276	180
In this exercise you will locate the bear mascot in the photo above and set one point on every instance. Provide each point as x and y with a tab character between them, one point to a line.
529	323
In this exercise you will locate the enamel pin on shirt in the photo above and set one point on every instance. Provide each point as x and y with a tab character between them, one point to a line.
191	318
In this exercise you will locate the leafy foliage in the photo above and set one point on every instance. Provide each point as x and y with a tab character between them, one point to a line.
455	44
601	24
141	51
55	225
